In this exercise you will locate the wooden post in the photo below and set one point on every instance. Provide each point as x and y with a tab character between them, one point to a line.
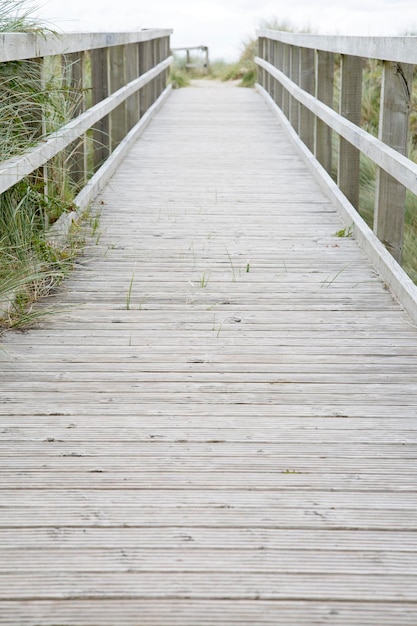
207	63
324	92
307	77
295	77
36	128
100	90
117	79
132	72
273	82
74	79
267	57
286	68
167	54
159	57
350	107
145	64
261	52
393	130
279	91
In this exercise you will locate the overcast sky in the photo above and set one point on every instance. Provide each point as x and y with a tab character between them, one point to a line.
224	24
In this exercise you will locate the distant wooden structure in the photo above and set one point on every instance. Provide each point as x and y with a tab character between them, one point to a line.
204	66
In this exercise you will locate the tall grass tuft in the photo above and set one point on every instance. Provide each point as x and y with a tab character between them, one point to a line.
18	16
34	101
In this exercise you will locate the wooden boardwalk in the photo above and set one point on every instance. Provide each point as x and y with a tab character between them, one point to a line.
219	426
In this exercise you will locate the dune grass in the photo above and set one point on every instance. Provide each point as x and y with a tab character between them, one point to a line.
34	101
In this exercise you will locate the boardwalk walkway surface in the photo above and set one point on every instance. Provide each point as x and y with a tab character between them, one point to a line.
219	427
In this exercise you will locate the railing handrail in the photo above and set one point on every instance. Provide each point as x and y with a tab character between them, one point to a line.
399	166
123	65
19	46
296	78
397	49
15	169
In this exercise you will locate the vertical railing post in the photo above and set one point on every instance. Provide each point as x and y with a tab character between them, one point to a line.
350	107
132	72
261	52
307	78
278	61
273	61
117	79
295	77
207	62
393	130
100	90
145	64
157	56
270	59
324	92
74	77
286	67
167	52
266	57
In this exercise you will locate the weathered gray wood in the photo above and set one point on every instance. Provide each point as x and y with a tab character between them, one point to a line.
350	106
17	46
394	118
75	79
307	83
15	169
145	63
100	178
397	49
295	77
100	90
324	93
117	79
401	168
286	68
205	444
401	284
189	612
132	72
262	52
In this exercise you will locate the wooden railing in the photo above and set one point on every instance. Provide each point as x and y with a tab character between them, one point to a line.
296	74
124	75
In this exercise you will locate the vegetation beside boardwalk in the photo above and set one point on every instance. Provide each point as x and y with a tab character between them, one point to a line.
34	101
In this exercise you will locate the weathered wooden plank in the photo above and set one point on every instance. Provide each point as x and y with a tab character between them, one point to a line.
187	538
205	560
205	613
216	586
222	516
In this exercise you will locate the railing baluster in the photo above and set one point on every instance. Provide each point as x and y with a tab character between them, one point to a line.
393	130
145	63
350	107
286	67
100	90
307	82
295	77
118	122
74	78
132	72
324	92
